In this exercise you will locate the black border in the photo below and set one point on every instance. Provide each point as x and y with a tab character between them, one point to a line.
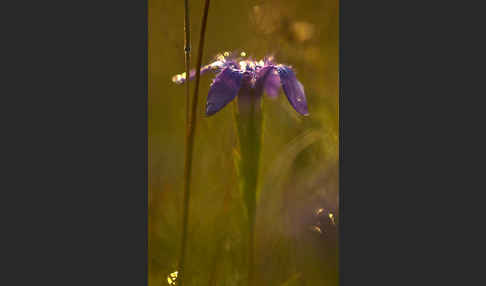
77	159
79	149
398	154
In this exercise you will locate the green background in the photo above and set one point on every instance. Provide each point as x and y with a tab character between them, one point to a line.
299	166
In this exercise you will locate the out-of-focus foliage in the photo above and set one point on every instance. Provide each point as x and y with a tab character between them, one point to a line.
296	237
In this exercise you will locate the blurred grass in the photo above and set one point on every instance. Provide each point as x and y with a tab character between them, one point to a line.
299	171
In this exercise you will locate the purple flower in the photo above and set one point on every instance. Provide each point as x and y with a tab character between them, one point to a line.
246	77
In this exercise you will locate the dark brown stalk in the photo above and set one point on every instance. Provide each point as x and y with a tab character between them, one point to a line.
191	128
187	51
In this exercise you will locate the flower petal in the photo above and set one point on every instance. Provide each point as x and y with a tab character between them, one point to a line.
293	89
269	80
272	83
181	78
223	90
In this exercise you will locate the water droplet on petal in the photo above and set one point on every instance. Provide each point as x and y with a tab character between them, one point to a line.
242	65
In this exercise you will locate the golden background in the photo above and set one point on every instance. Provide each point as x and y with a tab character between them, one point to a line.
295	239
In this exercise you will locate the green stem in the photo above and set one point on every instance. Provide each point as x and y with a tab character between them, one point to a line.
249	120
191	128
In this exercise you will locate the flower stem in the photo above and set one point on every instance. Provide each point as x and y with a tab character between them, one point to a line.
190	131
249	120
187	52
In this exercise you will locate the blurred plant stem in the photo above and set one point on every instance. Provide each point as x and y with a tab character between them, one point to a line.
187	52
249	121
190	130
